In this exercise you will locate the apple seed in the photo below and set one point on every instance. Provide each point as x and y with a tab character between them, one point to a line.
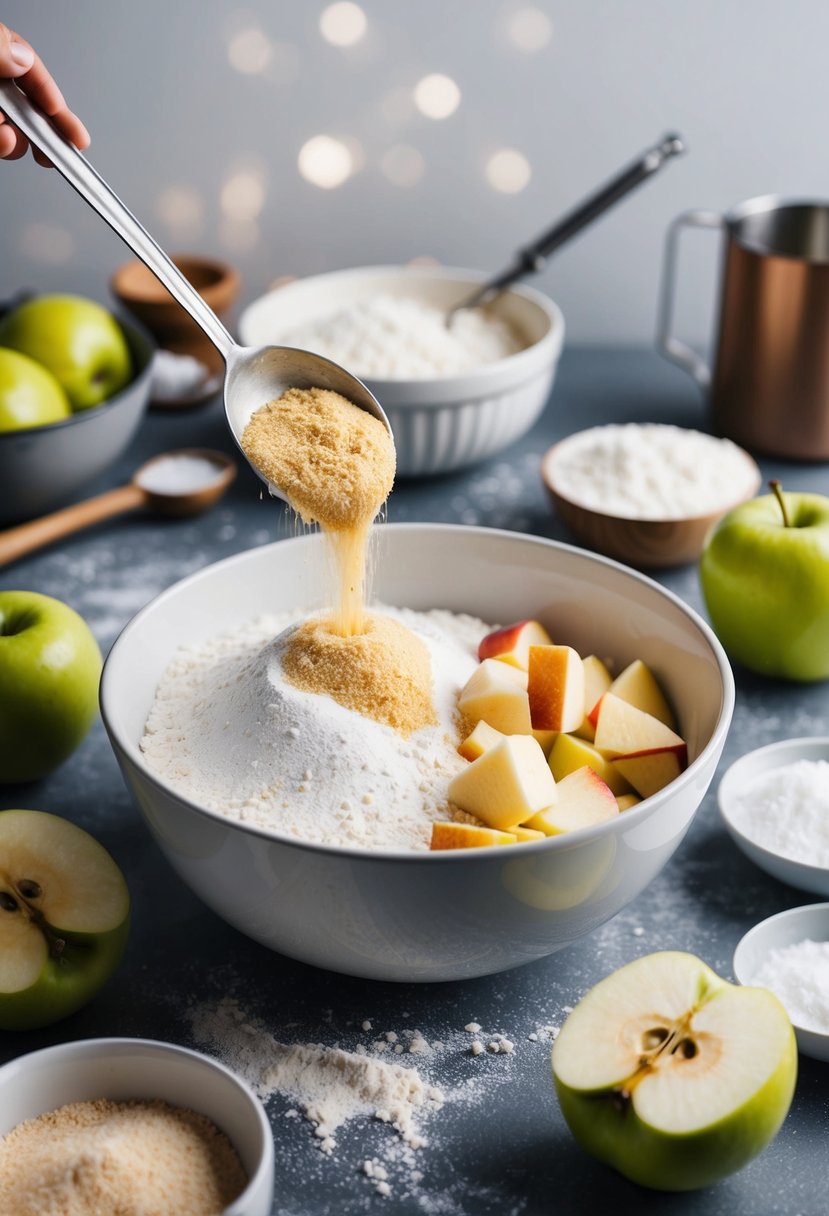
29	889
7	902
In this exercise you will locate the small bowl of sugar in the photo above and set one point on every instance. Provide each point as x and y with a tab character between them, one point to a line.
646	493
775	804
132	1124
789	954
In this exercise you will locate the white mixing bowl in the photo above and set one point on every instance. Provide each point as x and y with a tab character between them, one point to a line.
447	422
427	916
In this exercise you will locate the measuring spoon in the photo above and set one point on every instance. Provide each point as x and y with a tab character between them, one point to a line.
254	374
149	488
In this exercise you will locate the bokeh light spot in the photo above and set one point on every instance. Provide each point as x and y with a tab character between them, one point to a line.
530	30
343	24
182	209
437	96
250	51
402	165
325	162
47	243
508	171
243	195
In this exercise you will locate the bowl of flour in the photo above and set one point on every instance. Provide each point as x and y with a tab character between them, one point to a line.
454	394
306	825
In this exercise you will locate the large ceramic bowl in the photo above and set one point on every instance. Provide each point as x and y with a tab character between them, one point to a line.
444	423
42	467
427	916
124	1070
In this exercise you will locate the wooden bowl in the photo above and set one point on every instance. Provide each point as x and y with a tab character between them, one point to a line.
647	544
139	290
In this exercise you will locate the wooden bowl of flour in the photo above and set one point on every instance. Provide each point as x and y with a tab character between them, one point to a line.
631	501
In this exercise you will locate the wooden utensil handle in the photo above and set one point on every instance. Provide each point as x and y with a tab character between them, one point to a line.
17	542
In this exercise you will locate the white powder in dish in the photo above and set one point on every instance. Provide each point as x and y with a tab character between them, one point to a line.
787	811
400	338
650	471
230	734
180	474
799	976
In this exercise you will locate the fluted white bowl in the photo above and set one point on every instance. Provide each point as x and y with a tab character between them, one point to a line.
408	915
446	422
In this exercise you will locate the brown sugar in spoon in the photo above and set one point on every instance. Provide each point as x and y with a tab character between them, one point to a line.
176	484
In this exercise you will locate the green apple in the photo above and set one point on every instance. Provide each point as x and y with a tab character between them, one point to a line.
64	918
50	666
79	341
29	394
673	1076
765	578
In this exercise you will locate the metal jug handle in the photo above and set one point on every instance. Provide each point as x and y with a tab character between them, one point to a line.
670	347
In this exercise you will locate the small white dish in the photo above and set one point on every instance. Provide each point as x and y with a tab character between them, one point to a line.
744	771
124	1069
776	932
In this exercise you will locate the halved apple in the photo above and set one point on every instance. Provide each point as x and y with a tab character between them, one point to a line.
673	1076
467	836
569	753
497	694
555	687
506	785
511	644
638	686
582	800
64	918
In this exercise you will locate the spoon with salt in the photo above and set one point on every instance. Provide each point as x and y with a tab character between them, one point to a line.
254	374
176	484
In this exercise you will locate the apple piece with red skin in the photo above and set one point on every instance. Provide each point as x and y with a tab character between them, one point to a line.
582	800
638	685
555	688
645	751
511	643
50	666
64	918
764	573
673	1076
506	785
467	836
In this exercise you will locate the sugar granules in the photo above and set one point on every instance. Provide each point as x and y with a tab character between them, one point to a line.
145	1158
229	732
787	811
799	976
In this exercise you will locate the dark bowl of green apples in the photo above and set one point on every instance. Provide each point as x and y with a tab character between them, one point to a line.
74	385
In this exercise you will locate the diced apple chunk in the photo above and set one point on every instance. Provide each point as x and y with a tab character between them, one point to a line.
650	771
497	694
582	800
626	801
624	730
506	785
482	737
555	687
569	753
467	836
597	680
526	835
638	686
512	643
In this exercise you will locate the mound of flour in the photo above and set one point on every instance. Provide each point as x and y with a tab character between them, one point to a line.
230	734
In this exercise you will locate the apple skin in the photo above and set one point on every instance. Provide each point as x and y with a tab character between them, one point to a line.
50	665
29	394
766	586
67	984
79	341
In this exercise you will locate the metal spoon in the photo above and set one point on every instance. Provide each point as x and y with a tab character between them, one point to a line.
533	258
143	491
254	374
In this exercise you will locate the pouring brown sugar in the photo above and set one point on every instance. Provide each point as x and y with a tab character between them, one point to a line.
334	462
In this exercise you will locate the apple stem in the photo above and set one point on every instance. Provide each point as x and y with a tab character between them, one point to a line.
777	490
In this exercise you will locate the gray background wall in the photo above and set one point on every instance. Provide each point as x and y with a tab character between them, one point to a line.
206	154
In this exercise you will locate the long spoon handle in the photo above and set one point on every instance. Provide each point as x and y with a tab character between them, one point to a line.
26	538
102	198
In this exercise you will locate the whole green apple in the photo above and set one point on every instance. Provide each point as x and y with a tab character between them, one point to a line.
64	918
765	578
79	341
50	666
29	394
673	1076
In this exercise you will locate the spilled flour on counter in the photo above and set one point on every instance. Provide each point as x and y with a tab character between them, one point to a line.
331	1086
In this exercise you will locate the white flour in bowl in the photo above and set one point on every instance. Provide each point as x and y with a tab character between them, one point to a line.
230	734
400	338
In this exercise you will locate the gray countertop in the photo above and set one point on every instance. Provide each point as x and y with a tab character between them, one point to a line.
499	1145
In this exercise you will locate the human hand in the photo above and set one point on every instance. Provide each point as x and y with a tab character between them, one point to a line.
19	62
